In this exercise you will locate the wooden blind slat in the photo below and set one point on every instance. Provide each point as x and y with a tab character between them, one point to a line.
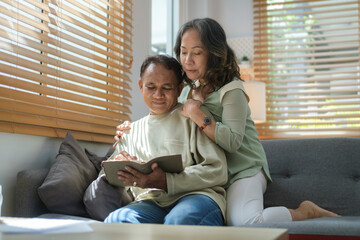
53	132
296	74
124	16
96	14
67	27
61	104
311	122
295	38
45	79
88	27
307	49
307	53
28	10
46	59
313	85
32	119
312	104
311	98
53	51
317	116
44	38
284	8
41	110
309	67
65	66
290	111
314	92
302	13
24	19
55	92
317	79
38	66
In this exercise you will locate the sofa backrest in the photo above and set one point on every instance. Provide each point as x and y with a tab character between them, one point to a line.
323	170
27	201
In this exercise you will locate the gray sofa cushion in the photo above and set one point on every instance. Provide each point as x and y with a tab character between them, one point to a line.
324	170
96	160
64	186
101	198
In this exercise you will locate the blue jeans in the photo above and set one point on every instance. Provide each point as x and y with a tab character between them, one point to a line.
193	209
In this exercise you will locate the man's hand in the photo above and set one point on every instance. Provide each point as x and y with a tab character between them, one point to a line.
155	179
119	131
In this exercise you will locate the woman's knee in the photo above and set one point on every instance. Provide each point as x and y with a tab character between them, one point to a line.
238	219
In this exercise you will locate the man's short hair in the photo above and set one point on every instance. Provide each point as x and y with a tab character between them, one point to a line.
168	62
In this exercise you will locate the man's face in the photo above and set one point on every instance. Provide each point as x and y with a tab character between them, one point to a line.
159	88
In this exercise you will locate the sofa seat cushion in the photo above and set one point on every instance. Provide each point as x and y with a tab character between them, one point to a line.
64	216
332	226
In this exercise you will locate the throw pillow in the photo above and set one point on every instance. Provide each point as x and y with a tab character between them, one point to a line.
96	160
101	198
63	188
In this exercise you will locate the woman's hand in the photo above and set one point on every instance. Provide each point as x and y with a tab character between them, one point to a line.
119	131
201	93
125	156
198	94
190	107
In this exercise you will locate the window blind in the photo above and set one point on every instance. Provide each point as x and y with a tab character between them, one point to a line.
65	65
307	53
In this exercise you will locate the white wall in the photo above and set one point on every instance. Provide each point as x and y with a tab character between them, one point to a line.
235	16
19	152
141	49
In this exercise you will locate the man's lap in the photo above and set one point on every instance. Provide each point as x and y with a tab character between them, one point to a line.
190	210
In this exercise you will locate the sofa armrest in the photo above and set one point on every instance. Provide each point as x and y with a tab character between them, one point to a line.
27	201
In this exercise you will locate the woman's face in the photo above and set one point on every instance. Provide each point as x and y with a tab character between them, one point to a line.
193	55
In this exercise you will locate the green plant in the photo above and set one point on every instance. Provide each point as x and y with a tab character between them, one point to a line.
245	58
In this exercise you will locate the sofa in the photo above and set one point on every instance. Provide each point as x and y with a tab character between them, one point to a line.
323	170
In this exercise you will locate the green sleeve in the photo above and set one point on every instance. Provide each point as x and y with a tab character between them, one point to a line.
230	132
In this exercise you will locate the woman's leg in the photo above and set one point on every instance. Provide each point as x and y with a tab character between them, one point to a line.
245	203
195	209
138	212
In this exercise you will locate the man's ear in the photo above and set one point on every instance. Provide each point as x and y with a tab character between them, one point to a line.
180	88
140	85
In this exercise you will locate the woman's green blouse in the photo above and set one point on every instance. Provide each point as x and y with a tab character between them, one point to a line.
235	130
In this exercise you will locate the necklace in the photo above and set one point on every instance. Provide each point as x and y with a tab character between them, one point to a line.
196	84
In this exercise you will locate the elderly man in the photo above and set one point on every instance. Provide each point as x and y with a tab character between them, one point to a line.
193	197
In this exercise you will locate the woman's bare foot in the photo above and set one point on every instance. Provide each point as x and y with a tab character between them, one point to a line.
308	210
